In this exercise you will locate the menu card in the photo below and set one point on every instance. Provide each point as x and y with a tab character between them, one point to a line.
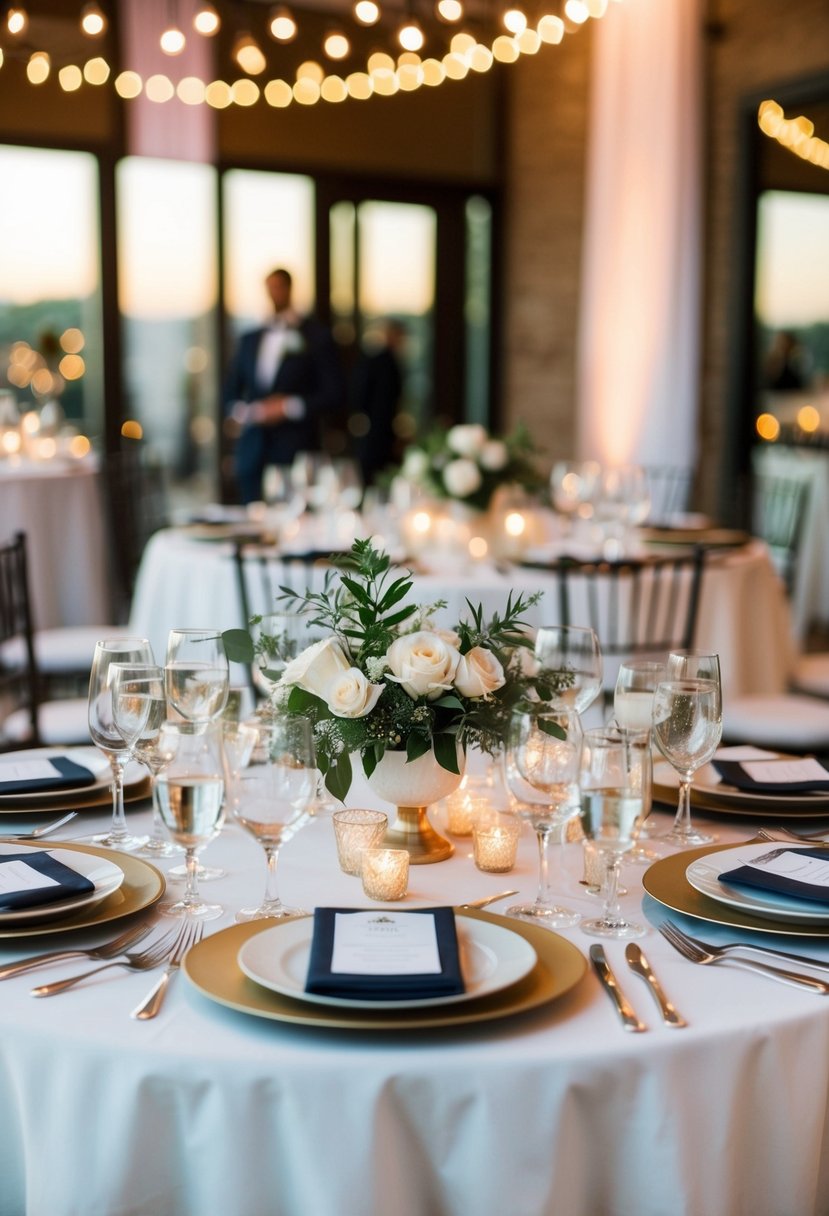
384	956
775	776
802	873
32	878
30	775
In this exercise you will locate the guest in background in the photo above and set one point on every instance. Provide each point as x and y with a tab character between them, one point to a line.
787	363
376	391
283	379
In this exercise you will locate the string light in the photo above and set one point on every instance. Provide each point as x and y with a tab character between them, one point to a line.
449	10
172	40
206	20
410	35
336	45
282	25
796	134
17	21
248	54
93	21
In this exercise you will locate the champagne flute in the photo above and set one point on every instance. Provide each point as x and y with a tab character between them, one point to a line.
542	764
687	727
197	673
615	796
636	682
270	799
570	659
105	733
190	797
139	707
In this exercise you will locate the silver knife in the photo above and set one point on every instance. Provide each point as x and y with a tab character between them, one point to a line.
640	965
623	1007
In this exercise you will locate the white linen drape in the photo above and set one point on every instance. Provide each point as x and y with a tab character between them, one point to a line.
639	325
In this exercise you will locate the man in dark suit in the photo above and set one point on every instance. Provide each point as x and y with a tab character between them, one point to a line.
283	378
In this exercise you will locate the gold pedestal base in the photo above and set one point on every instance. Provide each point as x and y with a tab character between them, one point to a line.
413	832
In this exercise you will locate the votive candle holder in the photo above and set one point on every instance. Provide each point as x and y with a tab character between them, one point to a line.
495	844
354	831
385	873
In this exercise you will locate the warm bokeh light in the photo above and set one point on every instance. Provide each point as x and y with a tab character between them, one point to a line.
478	548
421	522
218	94
515	20
434	72
282	25
306	91
515	524
70	78
410	36
551	29
244	92
333	89
336	45
576	11
93	21
129	85
190	90
72	341
278	93
38	67
79	446
131	429
159	88
72	367
17	20
11	442
504	49
311	70
206	20
808	419
248	54
450	10
359	86
767	427
367	12
96	71
172	41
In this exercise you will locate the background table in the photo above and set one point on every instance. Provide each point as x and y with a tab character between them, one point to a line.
57	504
558	1111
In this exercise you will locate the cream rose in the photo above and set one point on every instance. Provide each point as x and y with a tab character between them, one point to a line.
467	439
462	478
479	673
316	667
423	664
349	695
415	464
494	455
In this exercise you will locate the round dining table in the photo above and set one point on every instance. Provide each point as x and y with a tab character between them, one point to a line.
553	1111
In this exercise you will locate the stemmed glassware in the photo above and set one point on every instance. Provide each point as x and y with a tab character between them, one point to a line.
278	637
615	796
106	735
572	486
570	658
636	682
270	799
190	797
542	766
139	705
687	728
197	673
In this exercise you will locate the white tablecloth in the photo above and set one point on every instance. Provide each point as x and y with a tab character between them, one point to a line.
57	504
556	1113
743	615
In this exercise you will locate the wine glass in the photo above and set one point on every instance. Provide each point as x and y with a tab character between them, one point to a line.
270	798
687	727
278	637
542	765
636	682
139	706
190	797
615	796
570	659
622	502
105	733
197	673
573	485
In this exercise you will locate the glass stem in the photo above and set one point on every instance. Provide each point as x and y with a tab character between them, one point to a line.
682	822
271	899
157	836
191	888
118	831
545	894
612	913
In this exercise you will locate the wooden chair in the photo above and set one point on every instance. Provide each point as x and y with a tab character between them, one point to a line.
778	513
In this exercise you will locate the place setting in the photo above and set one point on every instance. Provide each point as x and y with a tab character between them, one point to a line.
53	778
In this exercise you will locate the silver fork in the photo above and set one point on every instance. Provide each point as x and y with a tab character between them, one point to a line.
44	830
695	953
191	933
108	950
136	960
785	834
731	947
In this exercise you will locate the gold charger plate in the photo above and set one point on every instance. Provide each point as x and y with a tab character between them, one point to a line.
740	802
142	887
211	967
665	881
708	538
82	799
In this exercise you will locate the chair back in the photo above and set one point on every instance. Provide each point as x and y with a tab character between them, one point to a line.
136	501
778	514
19	684
670	490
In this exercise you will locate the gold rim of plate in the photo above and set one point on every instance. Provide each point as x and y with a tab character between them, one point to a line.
76	800
212	968
142	887
747	804
665	882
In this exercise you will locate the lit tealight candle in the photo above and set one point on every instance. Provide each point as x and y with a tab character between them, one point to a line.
495	845
385	873
462	809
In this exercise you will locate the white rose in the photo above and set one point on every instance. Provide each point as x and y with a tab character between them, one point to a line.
479	673
423	664
494	455
466	440
349	695
316	667
447	635
462	478
415	464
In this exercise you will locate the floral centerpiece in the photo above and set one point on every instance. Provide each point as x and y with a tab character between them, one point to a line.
387	679
467	464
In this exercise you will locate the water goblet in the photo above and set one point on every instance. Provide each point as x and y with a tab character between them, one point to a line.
270	799
687	727
139	705
278	637
197	673
542	765
570	659
190	797
636	683
106	735
615	796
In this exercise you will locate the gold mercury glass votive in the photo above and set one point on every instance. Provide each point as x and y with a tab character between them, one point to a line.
462	809
385	873
495	844
354	831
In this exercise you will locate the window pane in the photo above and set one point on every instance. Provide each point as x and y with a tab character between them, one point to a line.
50	304
477	308
167	288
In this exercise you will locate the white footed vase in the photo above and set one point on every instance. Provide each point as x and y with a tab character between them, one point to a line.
412	787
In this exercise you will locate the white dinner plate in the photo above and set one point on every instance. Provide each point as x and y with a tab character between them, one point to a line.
704	876
491	958
105	874
708	783
89	757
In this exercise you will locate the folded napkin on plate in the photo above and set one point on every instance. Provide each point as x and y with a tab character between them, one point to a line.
375	948
38	773
806	776
30	879
802	873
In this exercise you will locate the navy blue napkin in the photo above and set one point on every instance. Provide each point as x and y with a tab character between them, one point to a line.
733	773
321	980
69	882
68	776
750	877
